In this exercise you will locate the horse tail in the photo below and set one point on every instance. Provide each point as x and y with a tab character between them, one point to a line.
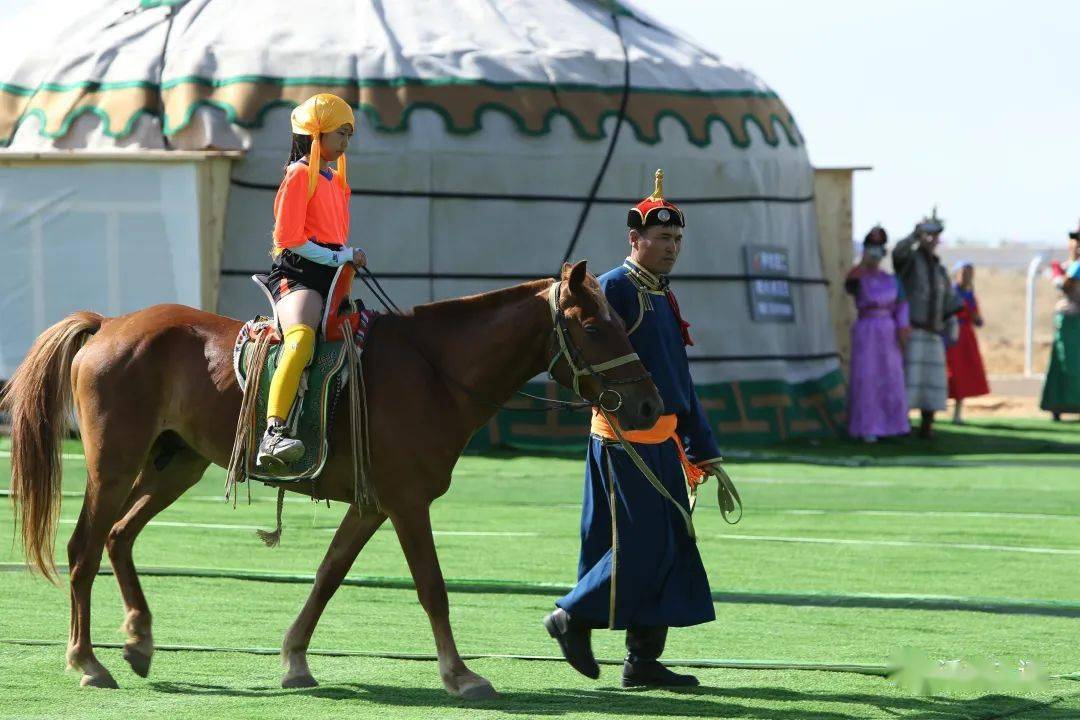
38	397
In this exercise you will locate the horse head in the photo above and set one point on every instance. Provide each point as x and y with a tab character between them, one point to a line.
593	354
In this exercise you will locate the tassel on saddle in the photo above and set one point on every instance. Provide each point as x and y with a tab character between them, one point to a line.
272	538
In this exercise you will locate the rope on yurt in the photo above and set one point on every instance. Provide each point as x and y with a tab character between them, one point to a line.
611	145
170	15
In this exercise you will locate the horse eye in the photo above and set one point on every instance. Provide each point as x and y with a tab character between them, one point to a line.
591	329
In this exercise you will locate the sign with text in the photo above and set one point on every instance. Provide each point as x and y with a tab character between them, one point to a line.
770	290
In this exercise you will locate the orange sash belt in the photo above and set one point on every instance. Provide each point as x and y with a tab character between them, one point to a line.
662	431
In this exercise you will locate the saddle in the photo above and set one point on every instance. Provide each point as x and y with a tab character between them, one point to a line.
341	337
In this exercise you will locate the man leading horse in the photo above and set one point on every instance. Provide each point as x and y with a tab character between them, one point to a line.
640	569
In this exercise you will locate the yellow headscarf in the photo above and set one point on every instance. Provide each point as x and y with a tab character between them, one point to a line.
322	113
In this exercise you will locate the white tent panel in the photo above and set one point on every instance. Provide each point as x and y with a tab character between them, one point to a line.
108	237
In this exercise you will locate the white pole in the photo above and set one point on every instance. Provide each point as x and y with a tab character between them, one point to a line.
1029	338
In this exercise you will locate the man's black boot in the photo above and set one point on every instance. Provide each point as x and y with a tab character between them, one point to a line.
575	641
926	429
644	644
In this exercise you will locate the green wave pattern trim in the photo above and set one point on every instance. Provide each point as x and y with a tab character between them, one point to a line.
148	4
786	126
338	81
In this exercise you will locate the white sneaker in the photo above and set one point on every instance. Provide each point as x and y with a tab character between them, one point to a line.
278	449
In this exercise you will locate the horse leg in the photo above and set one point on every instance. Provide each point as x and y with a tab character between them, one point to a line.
355	530
414	533
154	491
118	423
106	490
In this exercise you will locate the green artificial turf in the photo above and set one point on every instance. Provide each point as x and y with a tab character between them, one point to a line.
847	554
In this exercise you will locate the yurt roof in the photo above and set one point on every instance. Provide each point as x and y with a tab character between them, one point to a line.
531	60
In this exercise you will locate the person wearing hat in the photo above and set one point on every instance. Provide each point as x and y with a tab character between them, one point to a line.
1061	391
932	303
640	569
311	232
877	401
967	375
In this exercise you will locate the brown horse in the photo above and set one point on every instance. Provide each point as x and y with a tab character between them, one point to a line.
157	402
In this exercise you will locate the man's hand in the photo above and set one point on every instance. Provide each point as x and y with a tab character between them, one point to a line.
359	257
726	494
902	335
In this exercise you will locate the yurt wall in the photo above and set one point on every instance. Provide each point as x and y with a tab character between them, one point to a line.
443	214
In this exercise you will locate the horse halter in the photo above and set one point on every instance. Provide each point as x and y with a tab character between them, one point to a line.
579	366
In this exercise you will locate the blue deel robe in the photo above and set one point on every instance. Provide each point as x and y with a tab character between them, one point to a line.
655	566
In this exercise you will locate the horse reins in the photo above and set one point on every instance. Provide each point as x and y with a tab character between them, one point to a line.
565	348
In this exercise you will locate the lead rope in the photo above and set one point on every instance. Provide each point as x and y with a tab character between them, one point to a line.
614	537
649	474
553	301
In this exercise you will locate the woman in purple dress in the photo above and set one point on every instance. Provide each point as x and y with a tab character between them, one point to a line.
877	401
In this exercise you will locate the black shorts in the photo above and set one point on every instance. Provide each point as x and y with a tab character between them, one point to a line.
292	272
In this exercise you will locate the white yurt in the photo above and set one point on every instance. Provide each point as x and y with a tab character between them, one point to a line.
144	141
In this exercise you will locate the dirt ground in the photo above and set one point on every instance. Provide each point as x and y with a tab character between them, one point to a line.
1000	287
1001	296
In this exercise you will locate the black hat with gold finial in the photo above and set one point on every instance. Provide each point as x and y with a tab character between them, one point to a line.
655	210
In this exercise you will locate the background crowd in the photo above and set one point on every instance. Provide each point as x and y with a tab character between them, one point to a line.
914	343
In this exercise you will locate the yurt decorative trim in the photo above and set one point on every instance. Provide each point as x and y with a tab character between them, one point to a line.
388	104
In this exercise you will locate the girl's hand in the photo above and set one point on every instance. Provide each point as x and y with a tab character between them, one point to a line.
359	257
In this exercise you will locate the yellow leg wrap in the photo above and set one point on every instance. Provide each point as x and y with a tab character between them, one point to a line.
296	351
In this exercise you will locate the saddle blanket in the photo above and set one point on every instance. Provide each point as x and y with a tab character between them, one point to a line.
312	416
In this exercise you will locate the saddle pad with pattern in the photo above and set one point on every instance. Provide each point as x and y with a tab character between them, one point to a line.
313	416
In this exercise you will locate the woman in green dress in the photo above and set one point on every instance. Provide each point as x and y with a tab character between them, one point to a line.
1061	393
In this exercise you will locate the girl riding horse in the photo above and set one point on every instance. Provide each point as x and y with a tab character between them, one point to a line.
311	228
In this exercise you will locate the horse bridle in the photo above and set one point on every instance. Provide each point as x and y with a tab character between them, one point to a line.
579	366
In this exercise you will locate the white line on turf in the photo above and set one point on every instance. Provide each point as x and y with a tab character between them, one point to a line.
465	533
63	456
933	513
223	526
903	543
170	523
480	533
813	481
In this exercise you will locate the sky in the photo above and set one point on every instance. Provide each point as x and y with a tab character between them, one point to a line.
970	105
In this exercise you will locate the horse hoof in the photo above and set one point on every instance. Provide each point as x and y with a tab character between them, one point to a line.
299	681
104	680
138	660
484	691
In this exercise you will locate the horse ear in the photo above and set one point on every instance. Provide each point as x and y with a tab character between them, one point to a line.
566	267
577	276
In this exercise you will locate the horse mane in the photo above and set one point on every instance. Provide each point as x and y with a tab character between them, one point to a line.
455	310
